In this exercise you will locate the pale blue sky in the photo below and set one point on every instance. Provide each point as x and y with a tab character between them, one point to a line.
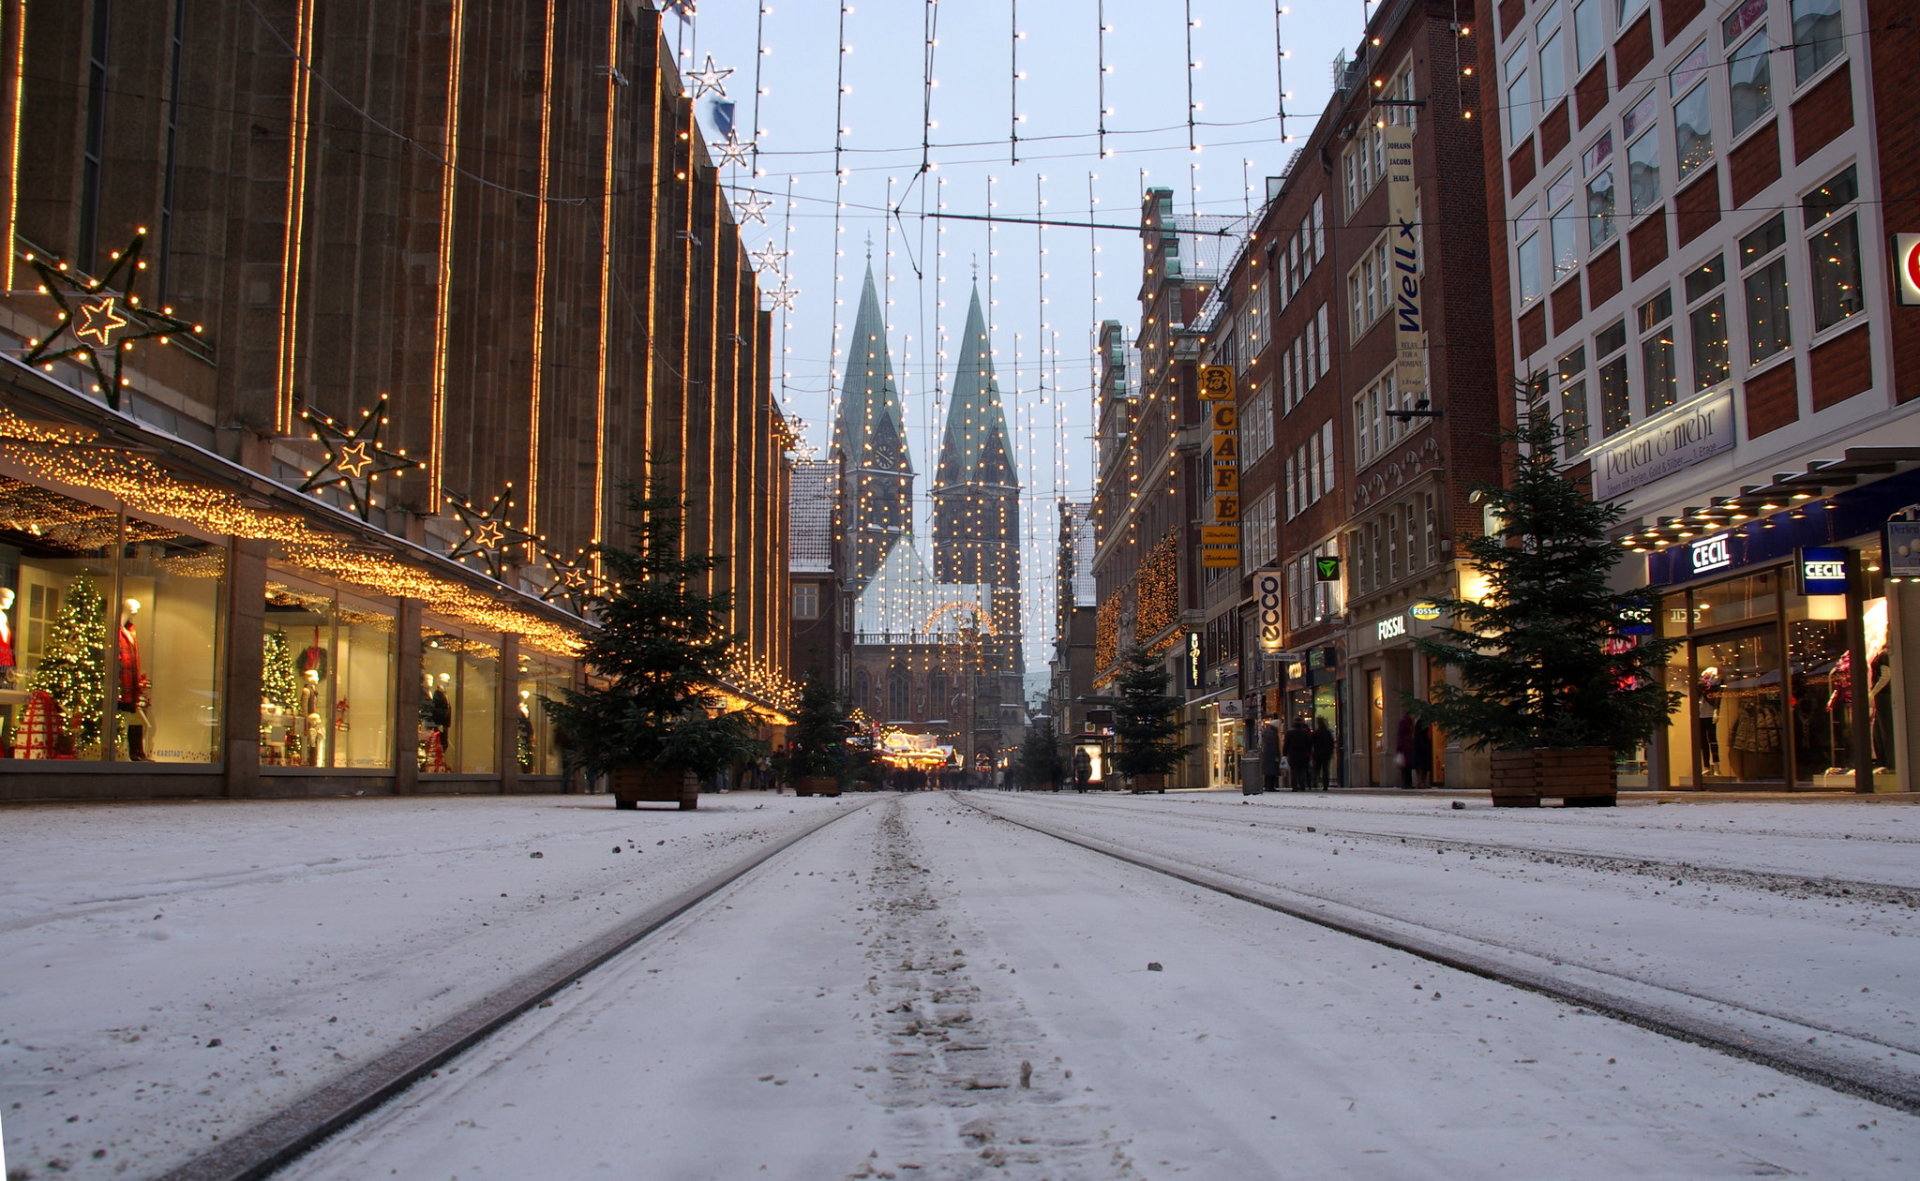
1042	350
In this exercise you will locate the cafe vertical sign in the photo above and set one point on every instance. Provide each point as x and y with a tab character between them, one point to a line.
1409	315
1220	541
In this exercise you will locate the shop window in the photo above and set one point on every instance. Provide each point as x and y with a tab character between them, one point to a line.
1656	352
110	637
1571	378
542	678
1763	263
1707	323
326	679
460	703
1817	31
1616	391
1833	249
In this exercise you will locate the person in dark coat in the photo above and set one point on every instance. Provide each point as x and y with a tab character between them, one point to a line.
1323	746
1403	742
1422	755
1298	750
1270	756
1082	768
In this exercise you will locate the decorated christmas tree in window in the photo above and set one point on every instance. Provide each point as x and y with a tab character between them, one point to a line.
73	668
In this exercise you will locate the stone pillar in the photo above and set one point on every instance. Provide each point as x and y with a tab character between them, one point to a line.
406	698
509	720
240	703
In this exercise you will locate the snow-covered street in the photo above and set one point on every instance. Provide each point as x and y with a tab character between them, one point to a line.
925	989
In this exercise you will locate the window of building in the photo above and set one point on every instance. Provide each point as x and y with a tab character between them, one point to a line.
1707	323
1308	472
899	696
1373	430
1519	99
1256	424
1527	263
1643	155
1259	537
806	600
1327	463
1833	249
1364	166
1616	392
1817	30
1597	163
1626	10
1563	225
542	678
1750	77
460	702
1655	318
1323	354
1553	57
1570	377
1588	37
1319	228
1763	263
1392	530
327	672
1370	286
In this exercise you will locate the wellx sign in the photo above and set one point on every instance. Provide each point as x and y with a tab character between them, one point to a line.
1409	322
1681	438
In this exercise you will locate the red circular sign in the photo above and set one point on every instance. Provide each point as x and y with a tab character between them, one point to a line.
1912	264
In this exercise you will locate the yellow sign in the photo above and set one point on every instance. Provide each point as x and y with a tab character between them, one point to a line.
1216	383
1226	448
1226	508
1226	479
1219	559
1226	417
1220	535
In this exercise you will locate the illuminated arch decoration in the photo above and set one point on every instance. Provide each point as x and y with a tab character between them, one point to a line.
489	534
355	459
103	316
982	618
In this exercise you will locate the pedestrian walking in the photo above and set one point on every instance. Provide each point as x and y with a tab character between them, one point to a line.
1298	750
1082	769
1403	743
1270	756
1422	755
1323	748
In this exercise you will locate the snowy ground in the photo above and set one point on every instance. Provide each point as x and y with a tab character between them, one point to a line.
924	991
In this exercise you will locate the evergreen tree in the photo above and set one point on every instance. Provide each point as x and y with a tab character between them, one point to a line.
73	669
1144	725
279	684
817	740
1040	762
1546	659
662	652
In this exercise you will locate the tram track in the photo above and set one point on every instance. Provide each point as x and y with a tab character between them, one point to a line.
275	1140
1843	1061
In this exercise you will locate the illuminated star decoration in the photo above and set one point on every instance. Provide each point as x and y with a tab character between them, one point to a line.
572	583
681	8
103	316
708	79
769	257
355	459
782	296
732	151
754	208
489	533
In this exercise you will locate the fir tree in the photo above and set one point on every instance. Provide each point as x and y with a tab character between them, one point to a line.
73	669
1546	659
817	740
1040	762
279	684
1144	725
662	651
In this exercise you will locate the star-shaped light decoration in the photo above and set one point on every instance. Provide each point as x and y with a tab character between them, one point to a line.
769	257
355	458
709	79
573	582
782	296
733	151
754	208
489	533
104	317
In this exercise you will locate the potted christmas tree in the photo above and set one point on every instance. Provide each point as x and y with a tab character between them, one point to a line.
651	718
817	741
73	669
1144	725
1556	675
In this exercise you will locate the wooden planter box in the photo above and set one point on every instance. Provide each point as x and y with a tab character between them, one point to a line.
816	785
1578	778
1141	784
646	783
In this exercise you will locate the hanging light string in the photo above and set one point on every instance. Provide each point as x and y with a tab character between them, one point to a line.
930	25
1013	81
759	59
786	306
1280	71
1190	63
1100	84
839	210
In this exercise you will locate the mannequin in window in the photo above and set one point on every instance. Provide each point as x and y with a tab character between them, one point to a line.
6	637
1880	705
131	697
1706	707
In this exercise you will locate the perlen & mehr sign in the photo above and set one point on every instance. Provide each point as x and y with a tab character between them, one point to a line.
1681	438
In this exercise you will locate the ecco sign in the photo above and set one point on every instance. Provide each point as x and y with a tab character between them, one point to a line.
1712	553
1267	589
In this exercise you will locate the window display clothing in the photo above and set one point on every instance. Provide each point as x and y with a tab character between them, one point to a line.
6	638
131	695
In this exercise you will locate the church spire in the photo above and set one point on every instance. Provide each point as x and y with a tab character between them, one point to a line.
870	444
975	448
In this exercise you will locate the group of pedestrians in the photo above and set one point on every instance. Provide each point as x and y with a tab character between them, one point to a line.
1306	750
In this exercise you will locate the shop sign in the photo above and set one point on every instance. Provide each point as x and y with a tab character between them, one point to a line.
1680	439
1902	549
1906	267
1232	709
1216	383
1326	568
1409	325
1267	590
1711	553
1392	627
1196	672
1424	611
1823	570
